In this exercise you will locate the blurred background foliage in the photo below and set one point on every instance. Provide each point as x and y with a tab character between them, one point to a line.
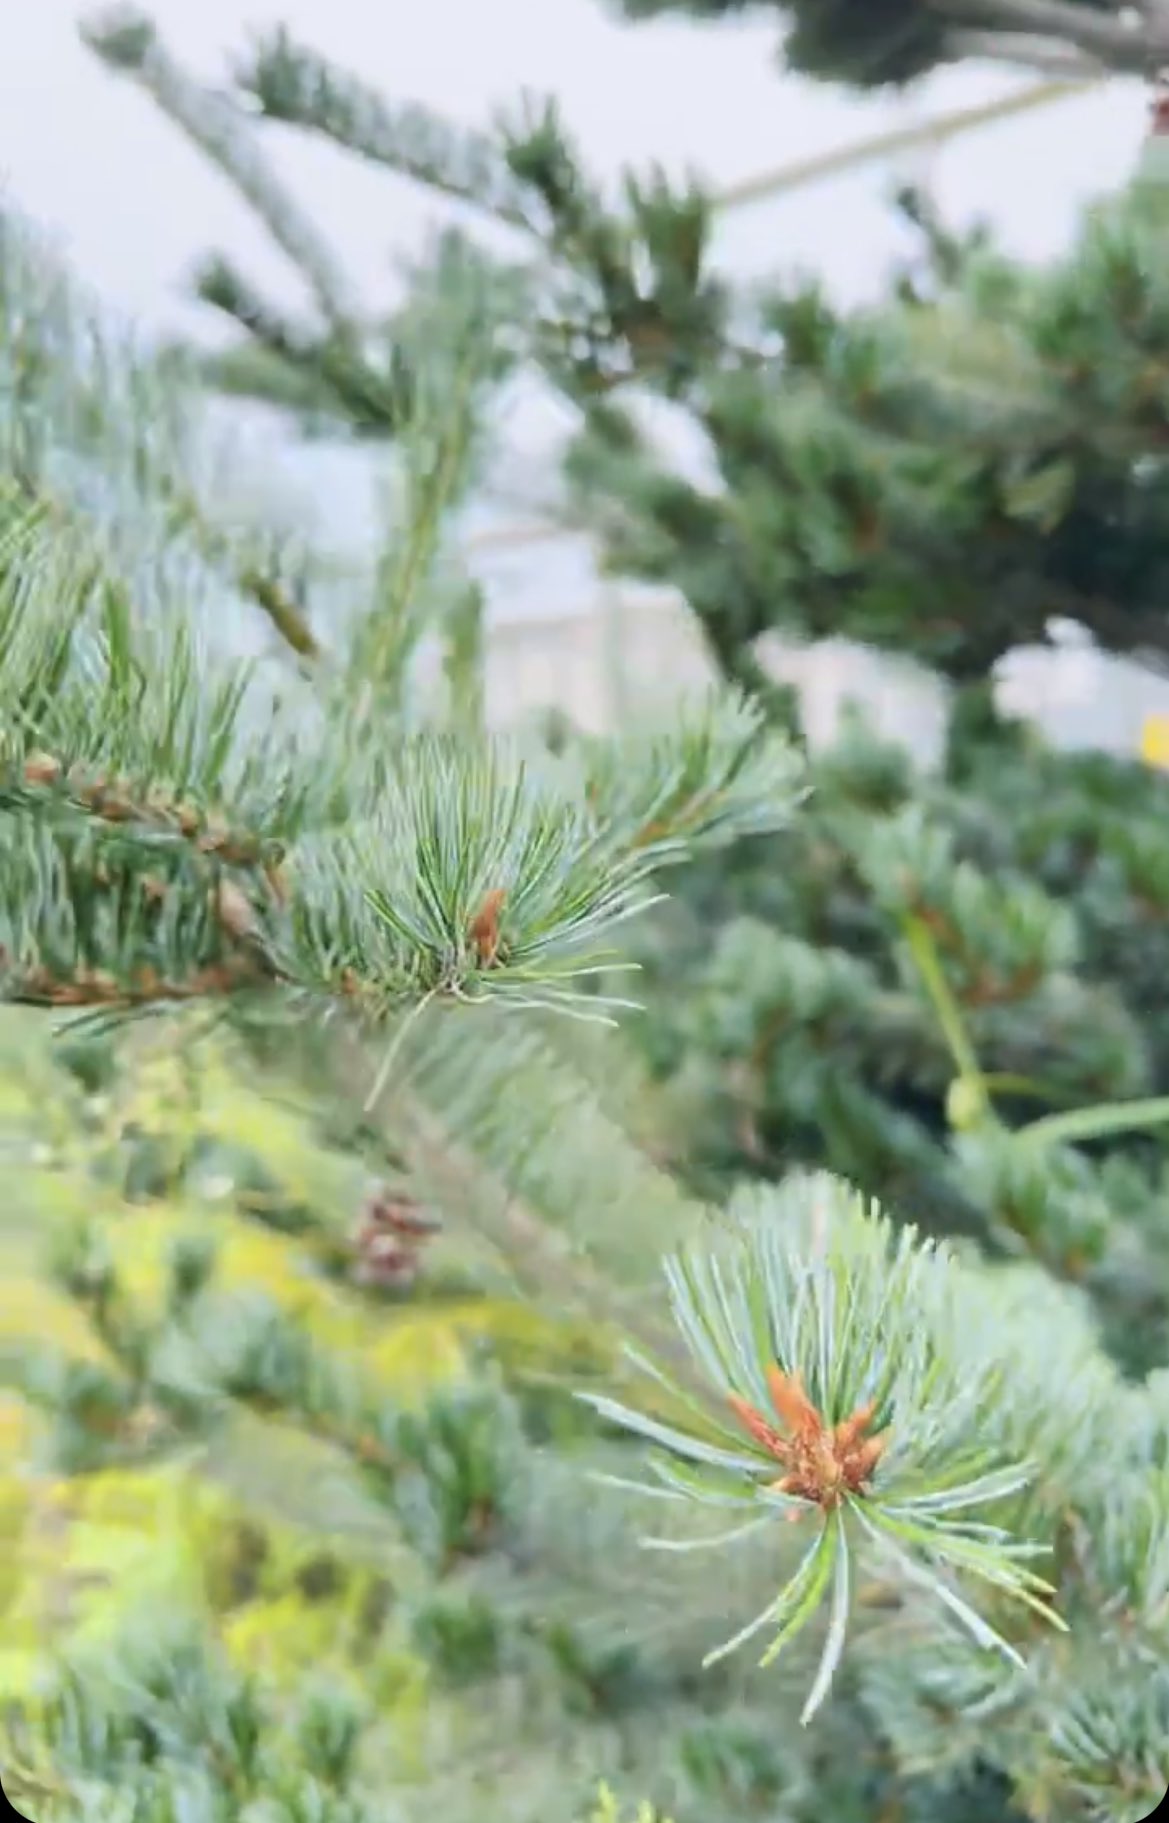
238	1466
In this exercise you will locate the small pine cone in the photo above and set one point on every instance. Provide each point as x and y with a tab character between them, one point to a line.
390	1237
41	769
384	1260
395	1210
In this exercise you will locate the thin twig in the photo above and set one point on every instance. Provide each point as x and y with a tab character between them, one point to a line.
925	955
821	165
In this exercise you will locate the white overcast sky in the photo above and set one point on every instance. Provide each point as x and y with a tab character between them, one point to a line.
134	205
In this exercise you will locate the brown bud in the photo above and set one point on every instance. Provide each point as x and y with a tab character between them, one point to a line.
483	929
215	835
41	769
234	910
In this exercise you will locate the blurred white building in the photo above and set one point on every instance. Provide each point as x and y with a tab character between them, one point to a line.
624	652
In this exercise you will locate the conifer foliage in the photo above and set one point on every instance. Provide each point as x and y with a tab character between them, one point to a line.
915	1455
205	1415
874	43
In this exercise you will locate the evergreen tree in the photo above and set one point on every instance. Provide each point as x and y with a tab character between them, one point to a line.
991	424
930	1419
290	933
936	476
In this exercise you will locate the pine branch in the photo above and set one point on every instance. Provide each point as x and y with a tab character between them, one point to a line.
513	1139
619	293
128	42
250	371
453	338
99	432
544	1139
148	808
171	782
288	82
355	392
829	1342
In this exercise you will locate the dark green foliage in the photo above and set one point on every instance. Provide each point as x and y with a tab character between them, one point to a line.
806	1033
994	430
875	43
864	42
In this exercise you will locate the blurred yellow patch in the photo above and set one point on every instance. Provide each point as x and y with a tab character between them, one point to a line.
280	1638
15	1505
414	1355
278	1136
21	1430
80	1554
608	1811
34	1312
267	1524
1155	741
